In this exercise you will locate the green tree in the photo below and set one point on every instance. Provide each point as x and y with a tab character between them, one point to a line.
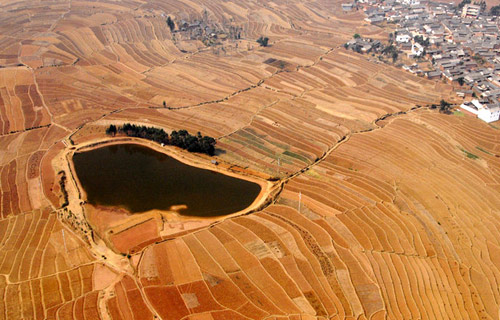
207	145
463	3
461	81
495	11
444	106
420	40
356	36
192	144
263	41
111	130
170	23
478	59
389	49
394	56
483	6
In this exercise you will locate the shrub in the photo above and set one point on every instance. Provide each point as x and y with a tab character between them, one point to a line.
444	107
170	23
263	41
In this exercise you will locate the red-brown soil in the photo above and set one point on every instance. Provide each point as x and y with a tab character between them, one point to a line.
397	219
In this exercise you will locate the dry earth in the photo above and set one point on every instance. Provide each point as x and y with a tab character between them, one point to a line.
397	220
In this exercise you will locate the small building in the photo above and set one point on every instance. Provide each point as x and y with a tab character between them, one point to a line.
411	2
473	77
417	49
465	93
375	19
472	106
436	74
347	7
366	48
403	38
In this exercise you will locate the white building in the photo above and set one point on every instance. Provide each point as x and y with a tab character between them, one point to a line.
417	49
411	2
485	112
403	37
347	7
375	19
489	113
471	11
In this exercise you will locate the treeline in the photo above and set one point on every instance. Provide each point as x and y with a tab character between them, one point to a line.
444	107
62	184
181	138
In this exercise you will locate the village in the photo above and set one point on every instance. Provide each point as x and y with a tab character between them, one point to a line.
445	42
204	30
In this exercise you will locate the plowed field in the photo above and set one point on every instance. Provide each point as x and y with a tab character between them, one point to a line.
379	207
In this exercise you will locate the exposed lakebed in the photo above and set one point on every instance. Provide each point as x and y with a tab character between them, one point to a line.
140	179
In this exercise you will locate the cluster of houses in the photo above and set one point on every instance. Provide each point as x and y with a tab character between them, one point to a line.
462	45
206	32
365	45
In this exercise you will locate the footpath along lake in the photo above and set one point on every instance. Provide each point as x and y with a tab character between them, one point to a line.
139	179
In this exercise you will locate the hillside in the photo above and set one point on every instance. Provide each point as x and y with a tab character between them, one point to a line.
399	204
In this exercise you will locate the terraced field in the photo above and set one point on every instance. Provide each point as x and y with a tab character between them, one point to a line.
381	207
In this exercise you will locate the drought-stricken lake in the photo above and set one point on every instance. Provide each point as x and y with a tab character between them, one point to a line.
140	179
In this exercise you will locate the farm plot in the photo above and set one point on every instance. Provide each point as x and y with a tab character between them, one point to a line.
21	106
376	219
371	239
403	201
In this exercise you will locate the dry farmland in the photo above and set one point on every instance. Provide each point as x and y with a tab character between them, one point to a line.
380	208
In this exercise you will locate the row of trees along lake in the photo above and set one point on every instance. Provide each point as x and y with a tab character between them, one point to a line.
181	138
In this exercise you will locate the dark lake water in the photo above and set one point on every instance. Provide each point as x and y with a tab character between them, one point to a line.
140	179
